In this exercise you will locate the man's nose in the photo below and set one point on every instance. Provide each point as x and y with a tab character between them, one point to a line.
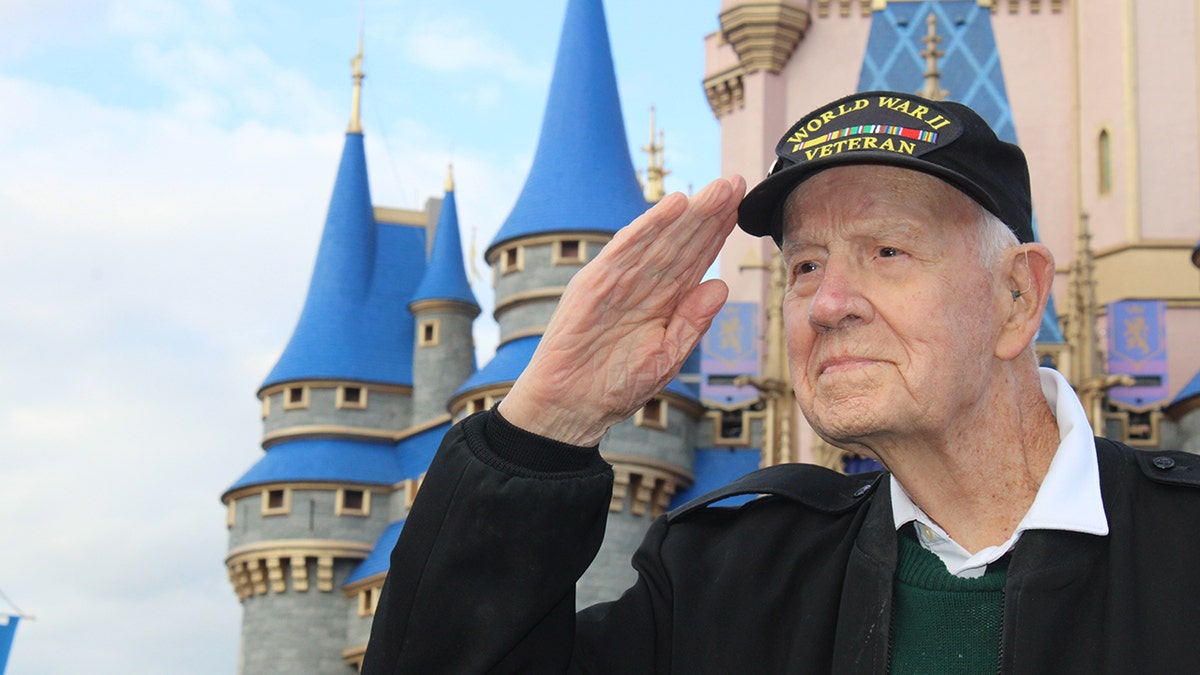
839	301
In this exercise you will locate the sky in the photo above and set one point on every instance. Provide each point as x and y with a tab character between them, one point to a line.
165	167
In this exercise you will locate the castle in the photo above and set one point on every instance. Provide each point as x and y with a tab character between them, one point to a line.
381	361
1104	98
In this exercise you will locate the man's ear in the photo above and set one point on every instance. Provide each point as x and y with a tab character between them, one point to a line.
1026	275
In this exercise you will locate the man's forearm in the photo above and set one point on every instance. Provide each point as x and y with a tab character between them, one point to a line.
486	564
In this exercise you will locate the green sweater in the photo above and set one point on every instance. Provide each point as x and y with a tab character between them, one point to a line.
942	623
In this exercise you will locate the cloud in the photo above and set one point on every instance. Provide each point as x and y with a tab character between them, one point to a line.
152	265
168	19
155	261
457	44
28	25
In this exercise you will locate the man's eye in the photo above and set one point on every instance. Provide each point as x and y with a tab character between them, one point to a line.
806	268
888	252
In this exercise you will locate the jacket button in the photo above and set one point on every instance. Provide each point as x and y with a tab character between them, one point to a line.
862	490
1164	463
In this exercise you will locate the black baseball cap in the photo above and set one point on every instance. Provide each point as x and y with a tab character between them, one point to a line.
940	138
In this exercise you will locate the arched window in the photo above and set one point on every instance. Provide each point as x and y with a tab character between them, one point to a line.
1104	156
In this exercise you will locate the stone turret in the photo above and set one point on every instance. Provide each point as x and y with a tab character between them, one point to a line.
312	508
581	189
444	309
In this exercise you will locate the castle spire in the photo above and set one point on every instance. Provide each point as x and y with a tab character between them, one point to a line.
446	276
1082	308
444	307
933	75
654	169
583	151
1087	365
356	72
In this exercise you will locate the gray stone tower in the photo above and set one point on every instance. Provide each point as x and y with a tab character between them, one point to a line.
581	189
344	442
445	309
382	360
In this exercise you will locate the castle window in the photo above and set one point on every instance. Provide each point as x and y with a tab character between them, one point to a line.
512	260
276	502
266	406
295	398
1139	429
568	252
368	599
732	424
354	398
731	427
652	415
429	333
1104	157
478	404
352	502
411	487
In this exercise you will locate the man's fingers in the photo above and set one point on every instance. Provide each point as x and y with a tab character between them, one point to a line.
677	240
693	317
629	319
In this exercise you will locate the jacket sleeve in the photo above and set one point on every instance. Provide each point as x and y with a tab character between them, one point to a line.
482	579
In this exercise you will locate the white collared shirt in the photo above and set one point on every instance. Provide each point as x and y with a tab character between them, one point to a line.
1068	499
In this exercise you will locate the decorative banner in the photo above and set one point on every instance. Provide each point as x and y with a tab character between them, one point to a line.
8	630
1137	346
730	348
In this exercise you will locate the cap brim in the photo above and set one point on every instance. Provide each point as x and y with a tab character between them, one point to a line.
761	212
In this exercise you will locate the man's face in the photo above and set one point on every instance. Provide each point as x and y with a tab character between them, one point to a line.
891	316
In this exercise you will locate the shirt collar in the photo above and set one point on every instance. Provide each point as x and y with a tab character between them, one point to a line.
1068	499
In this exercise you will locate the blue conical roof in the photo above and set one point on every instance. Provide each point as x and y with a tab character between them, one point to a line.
325	459
446	277
582	178
970	72
355	323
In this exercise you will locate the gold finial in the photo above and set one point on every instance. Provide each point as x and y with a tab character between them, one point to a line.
1082	308
450	178
933	77
654	170
774	386
1087	362
472	253
357	73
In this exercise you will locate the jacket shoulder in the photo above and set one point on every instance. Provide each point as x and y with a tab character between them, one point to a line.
814	486
1168	467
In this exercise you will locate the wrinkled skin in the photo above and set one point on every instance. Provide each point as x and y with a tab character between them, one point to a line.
628	320
906	344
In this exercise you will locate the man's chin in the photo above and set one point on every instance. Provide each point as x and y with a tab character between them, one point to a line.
848	429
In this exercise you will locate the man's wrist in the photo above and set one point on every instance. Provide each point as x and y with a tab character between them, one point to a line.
551	422
533	451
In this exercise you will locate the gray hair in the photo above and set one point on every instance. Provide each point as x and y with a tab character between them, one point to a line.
994	237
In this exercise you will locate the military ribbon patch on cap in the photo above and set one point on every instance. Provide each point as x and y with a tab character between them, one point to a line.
884	123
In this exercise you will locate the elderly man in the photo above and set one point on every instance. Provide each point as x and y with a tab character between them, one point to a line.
1003	536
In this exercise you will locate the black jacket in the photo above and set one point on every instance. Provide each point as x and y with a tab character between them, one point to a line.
798	581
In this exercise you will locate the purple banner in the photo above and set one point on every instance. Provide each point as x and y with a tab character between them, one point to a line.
1137	346
729	349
